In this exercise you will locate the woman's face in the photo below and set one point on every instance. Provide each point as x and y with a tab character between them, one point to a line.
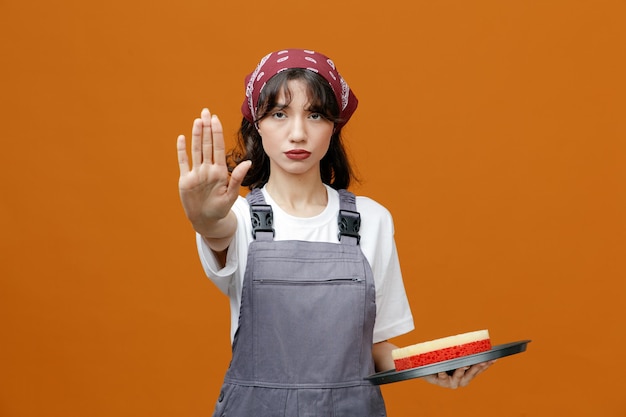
294	138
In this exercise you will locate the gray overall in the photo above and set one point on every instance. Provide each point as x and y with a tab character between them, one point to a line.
304	342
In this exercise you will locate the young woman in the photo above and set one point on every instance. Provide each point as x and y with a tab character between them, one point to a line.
311	271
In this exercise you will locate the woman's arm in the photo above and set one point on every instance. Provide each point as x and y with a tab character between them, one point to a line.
382	356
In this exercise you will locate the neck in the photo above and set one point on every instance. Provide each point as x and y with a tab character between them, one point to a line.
296	196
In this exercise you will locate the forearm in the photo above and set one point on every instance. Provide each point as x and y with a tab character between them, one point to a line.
382	356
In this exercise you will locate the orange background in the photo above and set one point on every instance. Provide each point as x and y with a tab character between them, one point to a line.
493	131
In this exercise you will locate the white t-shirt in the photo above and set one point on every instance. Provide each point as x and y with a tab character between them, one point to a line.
393	314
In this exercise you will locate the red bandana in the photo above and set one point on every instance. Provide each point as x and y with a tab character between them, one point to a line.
275	62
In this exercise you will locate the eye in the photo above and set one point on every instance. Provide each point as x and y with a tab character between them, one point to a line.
279	115
316	116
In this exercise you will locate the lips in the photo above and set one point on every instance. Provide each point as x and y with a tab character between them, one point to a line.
298	154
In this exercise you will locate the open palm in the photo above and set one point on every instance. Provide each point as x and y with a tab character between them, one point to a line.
207	190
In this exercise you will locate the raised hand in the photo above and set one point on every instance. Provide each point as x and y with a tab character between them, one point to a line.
207	190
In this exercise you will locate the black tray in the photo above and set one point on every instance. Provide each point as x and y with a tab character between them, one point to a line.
496	352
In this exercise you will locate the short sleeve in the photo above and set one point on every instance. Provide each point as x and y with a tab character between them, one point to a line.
393	312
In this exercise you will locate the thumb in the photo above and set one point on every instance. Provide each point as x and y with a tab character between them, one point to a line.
237	176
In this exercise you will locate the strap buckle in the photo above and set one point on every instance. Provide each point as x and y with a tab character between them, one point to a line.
262	219
349	223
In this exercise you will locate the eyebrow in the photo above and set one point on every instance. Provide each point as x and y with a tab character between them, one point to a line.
310	108
279	106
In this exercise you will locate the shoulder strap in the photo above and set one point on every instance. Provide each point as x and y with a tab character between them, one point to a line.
261	216
348	220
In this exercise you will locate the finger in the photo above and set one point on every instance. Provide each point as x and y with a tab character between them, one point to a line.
459	372
237	177
444	380
183	160
196	143
464	376
473	371
478	368
456	379
219	153
207	136
441	379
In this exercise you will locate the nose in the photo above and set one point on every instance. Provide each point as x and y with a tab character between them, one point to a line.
297	131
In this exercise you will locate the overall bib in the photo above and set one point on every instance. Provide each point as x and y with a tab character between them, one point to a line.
304	342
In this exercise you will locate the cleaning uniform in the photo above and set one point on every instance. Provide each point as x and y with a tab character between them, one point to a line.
304	342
